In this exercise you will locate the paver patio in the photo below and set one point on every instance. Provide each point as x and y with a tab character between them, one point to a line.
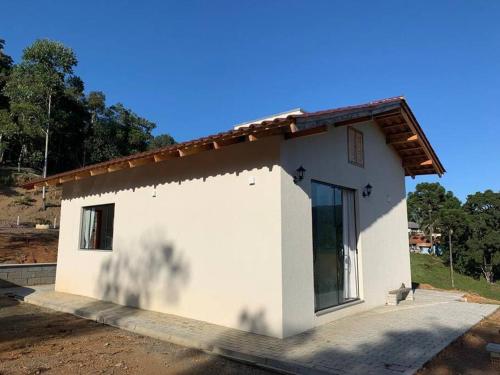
385	340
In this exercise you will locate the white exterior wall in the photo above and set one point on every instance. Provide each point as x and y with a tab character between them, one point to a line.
212	247
383	257
207	247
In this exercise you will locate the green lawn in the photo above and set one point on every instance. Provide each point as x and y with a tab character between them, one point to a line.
428	269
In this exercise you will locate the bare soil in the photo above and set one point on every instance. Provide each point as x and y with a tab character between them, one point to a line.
467	354
28	245
15	201
34	340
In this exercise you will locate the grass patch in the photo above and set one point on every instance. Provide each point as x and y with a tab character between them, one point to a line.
428	269
24	200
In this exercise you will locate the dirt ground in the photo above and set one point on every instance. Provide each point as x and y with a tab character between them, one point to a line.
15	201
34	340
26	245
467	354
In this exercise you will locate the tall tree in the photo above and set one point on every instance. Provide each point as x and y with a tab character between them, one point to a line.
483	242
6	125
160	141
34	83
5	69
426	204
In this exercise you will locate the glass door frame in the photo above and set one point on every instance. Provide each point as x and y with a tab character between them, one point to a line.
355	209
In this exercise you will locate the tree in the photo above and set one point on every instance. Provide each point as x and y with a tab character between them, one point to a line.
160	141
426	204
43	97
5	69
115	131
96	102
45	68
483	244
7	129
6	125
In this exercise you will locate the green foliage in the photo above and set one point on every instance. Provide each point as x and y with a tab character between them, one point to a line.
426	203
5	68
428	269
116	131
429	204
83	130
161	141
483	243
475	227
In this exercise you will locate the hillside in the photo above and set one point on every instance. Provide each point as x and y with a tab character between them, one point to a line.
428	270
15	201
24	244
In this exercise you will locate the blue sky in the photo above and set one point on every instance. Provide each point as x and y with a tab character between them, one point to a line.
199	67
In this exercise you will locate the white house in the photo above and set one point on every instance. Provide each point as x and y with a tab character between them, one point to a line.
273	227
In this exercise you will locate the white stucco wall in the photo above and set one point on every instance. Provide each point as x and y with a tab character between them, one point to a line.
384	261
207	247
212	247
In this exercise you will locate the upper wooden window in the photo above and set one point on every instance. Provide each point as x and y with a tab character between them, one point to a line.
355	147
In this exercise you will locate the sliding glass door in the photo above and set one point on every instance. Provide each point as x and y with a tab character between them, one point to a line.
334	245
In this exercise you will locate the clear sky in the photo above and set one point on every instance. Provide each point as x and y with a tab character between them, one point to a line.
199	67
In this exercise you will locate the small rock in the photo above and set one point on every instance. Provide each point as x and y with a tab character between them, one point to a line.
107	344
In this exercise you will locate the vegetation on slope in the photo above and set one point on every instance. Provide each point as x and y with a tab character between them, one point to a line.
431	270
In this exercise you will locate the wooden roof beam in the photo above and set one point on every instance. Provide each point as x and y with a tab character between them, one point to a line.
166	155
416	162
306	132
418	148
98	171
426	147
401	138
393	126
66	179
194	149
81	175
117	167
142	161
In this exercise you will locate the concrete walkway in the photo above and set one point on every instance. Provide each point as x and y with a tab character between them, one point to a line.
385	340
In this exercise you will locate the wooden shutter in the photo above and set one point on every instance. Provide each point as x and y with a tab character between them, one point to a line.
355	147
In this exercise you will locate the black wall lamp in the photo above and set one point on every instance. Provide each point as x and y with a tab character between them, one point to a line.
367	190
299	174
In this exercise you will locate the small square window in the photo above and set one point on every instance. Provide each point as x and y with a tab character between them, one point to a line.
355	147
97	227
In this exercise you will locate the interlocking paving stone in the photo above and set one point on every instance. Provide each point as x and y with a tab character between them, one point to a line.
388	340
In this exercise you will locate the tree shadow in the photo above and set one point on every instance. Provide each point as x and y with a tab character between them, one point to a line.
24	327
131	275
396	352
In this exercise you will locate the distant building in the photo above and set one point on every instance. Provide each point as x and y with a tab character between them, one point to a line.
413	227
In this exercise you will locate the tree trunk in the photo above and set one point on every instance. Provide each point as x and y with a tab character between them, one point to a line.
487	271
2	150
19	160
46	150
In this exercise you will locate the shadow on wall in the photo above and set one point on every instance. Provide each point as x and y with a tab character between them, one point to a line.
132	274
253	322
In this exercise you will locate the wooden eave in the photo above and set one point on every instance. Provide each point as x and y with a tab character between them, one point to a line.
393	116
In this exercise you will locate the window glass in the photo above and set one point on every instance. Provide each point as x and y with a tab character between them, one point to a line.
97	227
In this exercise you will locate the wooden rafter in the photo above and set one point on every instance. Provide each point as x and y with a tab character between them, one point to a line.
398	138
417	162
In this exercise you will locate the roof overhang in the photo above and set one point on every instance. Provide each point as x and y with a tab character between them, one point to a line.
393	116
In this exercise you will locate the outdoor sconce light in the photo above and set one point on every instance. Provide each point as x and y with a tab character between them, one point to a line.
367	190
299	175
